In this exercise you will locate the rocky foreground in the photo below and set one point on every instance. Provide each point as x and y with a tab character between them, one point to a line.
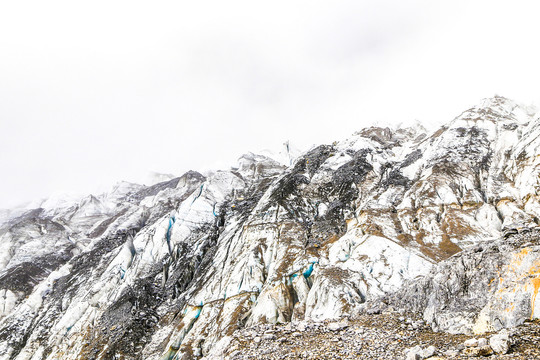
389	335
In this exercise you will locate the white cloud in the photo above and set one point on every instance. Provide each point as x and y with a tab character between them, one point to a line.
91	93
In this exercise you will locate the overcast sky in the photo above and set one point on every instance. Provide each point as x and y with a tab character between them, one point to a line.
95	92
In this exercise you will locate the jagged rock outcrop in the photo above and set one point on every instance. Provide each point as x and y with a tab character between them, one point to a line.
165	272
486	288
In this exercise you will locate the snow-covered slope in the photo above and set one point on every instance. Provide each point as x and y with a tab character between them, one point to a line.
166	271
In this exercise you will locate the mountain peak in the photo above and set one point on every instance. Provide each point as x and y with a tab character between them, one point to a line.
499	108
166	271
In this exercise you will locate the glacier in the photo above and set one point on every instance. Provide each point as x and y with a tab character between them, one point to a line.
167	271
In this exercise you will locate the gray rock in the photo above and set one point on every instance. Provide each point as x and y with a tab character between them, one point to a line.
374	311
428	352
482	342
473	342
336	326
413	353
451	352
500	343
268	337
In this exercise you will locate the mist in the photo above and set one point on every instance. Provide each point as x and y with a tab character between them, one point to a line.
98	92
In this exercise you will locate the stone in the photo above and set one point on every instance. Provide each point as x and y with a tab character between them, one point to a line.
428	352
268	337
478	351
500	343
485	350
336	326
413	353
451	353
374	311
482	342
473	342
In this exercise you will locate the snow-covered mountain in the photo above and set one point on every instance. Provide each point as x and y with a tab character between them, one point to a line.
169	271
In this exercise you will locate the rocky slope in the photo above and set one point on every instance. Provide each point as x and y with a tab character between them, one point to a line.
390	335
171	270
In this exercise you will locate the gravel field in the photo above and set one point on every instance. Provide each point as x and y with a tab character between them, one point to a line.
381	336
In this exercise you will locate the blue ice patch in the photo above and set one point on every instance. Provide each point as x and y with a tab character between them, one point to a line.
171	223
309	270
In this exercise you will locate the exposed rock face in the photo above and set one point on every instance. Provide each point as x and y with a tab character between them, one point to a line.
165	272
481	289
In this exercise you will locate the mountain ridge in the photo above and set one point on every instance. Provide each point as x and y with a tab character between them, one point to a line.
167	271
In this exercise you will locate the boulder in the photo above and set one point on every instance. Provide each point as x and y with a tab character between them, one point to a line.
500	343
